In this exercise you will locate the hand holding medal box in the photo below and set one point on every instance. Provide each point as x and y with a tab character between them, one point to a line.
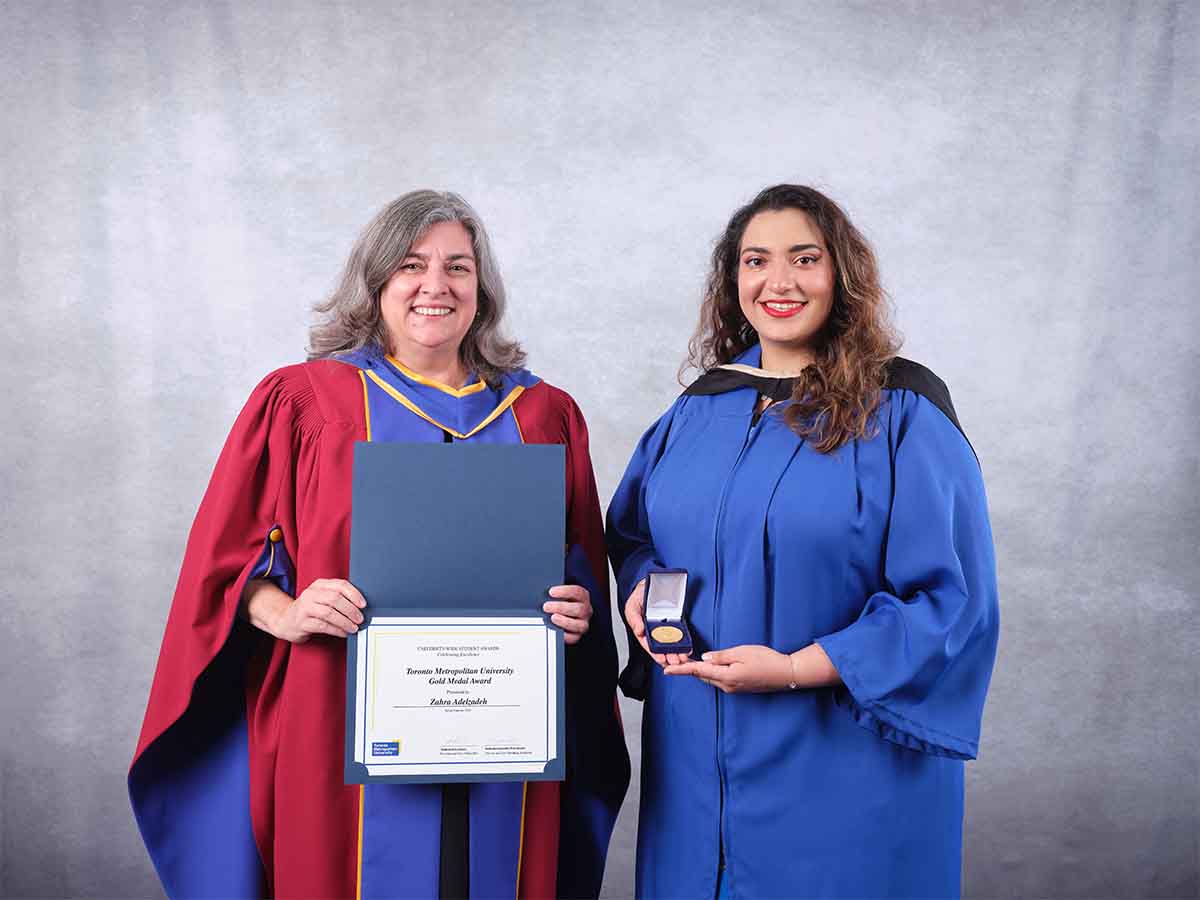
663	602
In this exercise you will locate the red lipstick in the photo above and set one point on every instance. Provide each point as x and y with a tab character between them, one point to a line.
795	307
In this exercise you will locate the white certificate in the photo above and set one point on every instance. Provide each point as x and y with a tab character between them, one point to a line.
462	698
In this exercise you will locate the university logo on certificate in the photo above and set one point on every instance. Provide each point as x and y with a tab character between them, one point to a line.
455	673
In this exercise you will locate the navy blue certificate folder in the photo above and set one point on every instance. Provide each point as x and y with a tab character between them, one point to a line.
458	526
456	530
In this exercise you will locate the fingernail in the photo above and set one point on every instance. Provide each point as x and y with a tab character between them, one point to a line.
704	656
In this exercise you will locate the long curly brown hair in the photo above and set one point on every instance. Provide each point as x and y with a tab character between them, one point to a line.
836	396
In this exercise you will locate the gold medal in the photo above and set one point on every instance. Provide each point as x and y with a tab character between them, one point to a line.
667	634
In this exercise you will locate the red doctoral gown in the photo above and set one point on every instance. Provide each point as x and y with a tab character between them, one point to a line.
237	779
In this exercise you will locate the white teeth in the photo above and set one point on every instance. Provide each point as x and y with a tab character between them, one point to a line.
432	310
784	307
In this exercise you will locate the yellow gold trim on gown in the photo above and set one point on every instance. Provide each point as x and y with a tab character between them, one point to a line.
429	382
520	433
362	797
521	846
416	410
366	402
362	788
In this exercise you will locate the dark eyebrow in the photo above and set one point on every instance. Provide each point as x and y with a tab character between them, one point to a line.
451	258
795	248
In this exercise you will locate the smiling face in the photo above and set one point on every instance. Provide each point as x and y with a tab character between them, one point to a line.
430	301
785	282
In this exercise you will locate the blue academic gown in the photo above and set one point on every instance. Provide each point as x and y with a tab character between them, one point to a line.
881	552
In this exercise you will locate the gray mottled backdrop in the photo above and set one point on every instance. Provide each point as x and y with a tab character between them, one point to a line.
179	182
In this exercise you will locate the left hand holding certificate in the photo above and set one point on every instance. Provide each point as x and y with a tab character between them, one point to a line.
457	672
570	610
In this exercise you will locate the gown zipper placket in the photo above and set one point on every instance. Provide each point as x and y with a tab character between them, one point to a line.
755	423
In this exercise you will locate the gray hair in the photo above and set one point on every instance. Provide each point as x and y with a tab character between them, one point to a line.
353	319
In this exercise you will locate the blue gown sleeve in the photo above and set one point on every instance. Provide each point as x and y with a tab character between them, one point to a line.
627	531
274	563
917	661
630	546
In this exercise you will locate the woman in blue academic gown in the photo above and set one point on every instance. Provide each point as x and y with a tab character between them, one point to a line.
841	594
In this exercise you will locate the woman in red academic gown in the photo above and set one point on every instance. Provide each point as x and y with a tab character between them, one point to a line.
237	781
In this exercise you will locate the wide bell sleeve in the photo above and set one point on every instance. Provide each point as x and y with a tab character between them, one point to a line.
917	661
630	544
189	779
